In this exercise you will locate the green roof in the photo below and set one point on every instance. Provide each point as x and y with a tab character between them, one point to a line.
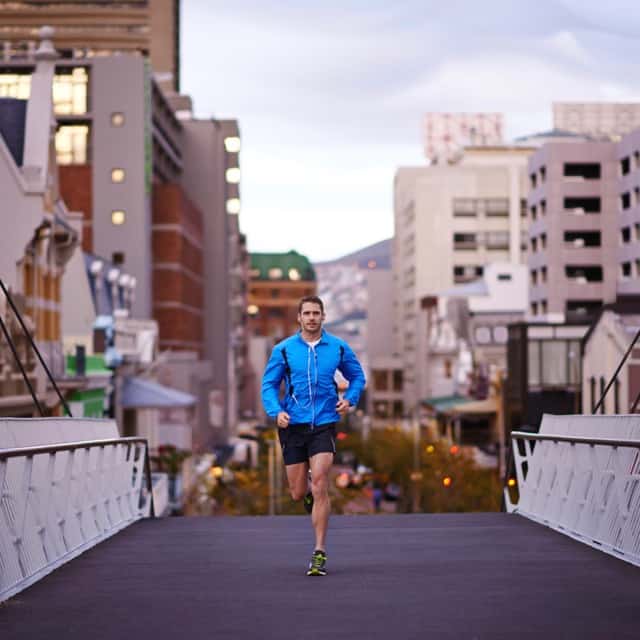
442	403
281	266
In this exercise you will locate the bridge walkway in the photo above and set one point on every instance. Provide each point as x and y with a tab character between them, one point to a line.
480	576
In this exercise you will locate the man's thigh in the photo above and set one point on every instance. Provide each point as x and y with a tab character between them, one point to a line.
297	476
320	465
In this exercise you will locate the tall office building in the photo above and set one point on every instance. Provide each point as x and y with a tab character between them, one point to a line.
86	29
450	221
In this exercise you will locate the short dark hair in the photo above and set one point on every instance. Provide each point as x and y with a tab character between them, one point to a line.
313	299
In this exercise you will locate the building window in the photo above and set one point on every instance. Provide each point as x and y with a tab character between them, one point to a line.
533	179
523	208
543	241
448	369
70	92
637	263
543	174
380	380
275	273
483	335
602	386
117	119
625	270
117	175
500	334
580	206
294	274
592	393
464	241
582	274
534	212
497	207
534	277
232	144
625	165
534	308
534	245
72	143
464	208
582	170
504	277
497	240
397	379
636	159
233	205
543	307
543	207
543	274
616	396
625	200
625	234
398	409
579	239
232	175
13	85
118	217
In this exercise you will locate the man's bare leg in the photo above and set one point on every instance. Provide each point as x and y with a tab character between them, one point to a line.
320	465
297	477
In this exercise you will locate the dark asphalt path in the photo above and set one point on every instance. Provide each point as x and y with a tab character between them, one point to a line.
484	576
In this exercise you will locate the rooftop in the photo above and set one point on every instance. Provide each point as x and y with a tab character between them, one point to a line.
281	266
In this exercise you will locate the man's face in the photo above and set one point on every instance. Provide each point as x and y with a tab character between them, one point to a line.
311	317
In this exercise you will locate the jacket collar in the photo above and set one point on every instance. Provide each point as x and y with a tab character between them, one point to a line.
324	338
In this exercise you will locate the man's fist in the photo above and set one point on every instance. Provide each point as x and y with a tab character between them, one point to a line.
342	406
283	420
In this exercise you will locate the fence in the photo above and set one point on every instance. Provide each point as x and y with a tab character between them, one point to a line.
583	484
58	500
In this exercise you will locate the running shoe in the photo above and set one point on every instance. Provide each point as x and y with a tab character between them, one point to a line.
317	566
307	502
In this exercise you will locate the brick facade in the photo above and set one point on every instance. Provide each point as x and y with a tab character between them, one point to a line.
178	285
77	192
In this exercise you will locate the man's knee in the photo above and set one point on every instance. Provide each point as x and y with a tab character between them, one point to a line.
319	485
296	493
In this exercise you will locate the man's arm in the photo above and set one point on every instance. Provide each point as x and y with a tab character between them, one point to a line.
273	374
353	373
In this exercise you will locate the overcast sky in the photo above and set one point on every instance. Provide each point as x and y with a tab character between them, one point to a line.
330	95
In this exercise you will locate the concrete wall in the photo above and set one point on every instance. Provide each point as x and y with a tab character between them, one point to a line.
118	84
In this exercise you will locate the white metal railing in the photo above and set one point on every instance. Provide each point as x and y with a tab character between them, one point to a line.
583	486
58	500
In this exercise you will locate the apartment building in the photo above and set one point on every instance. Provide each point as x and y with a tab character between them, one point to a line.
278	281
91	28
628	205
451	221
574	235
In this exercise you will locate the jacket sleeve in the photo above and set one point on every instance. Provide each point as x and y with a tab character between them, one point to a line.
273	374
352	371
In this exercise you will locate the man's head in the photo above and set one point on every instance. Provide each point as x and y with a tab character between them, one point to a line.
311	314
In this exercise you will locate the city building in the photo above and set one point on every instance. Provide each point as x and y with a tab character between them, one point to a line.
603	349
451	220
574	235
38	239
90	28
601	120
277	282
211	177
628	206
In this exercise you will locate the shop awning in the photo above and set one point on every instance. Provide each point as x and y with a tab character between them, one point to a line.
487	406
138	393
442	404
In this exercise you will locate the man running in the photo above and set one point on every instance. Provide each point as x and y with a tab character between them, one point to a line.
308	412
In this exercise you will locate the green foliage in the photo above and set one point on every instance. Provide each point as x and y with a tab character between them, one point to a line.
390	453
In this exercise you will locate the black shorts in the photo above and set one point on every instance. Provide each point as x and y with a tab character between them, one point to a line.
300	442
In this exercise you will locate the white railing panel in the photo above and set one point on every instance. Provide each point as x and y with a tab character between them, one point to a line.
58	500
581	475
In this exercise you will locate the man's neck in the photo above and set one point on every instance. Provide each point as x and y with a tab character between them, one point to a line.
311	337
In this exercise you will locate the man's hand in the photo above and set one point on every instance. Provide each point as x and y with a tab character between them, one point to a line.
283	419
342	406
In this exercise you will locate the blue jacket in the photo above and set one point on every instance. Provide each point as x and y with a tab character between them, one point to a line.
311	393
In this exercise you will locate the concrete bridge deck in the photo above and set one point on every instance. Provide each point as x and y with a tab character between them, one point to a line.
483	576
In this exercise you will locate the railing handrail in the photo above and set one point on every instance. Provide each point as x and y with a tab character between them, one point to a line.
614	442
66	446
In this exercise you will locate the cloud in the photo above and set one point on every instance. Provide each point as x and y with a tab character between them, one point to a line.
566	44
